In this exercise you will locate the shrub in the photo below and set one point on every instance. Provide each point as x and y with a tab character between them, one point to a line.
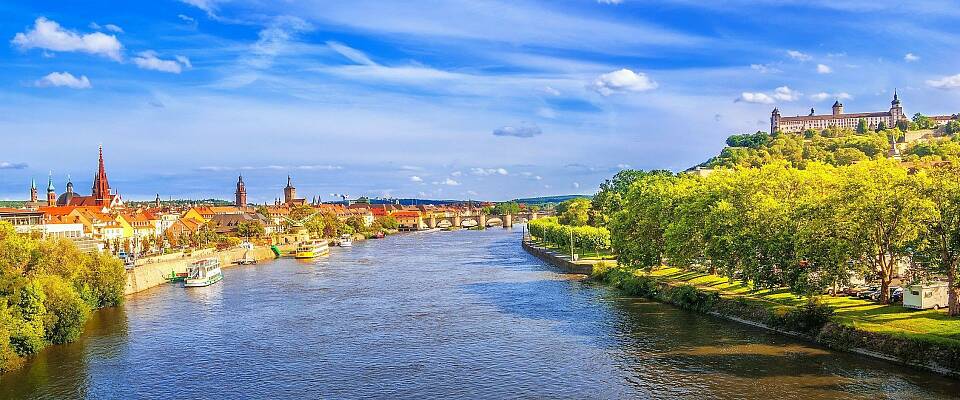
66	311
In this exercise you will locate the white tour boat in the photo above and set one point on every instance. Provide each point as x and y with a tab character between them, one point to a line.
203	273
346	240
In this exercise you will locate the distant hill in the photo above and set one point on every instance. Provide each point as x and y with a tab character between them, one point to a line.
11	203
551	199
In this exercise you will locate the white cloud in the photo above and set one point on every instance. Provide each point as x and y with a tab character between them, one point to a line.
186	18
149	60
350	53
551	91
456	173
546	112
754	97
824	96
49	35
10	165
796	55
623	166
609	1
523	130
488	171
764	69
576	185
824	69
64	79
184	60
416	179
784	93
447	182
947	82
210	6
910	57
113	28
623	80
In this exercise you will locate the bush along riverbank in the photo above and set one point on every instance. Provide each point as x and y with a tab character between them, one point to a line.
813	320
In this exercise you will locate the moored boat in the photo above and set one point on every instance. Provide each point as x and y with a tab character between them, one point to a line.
203	273
312	249
346	240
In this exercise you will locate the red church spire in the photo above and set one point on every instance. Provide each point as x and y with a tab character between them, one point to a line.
101	188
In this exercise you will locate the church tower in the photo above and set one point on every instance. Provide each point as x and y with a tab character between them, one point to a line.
241	193
101	188
289	192
896	110
33	191
156	201
775	120
51	192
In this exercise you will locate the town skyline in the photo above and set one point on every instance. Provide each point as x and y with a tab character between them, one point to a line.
448	101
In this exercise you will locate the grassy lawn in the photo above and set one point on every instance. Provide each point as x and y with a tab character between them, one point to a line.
862	314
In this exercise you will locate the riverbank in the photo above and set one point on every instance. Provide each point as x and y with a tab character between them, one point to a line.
153	271
838	323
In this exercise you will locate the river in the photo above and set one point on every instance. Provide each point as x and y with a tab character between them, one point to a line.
436	315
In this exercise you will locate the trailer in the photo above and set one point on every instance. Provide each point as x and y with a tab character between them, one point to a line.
925	296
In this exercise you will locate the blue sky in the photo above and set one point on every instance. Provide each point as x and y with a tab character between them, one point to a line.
440	99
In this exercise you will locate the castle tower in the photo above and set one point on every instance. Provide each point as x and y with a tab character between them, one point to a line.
289	192
837	108
33	191
896	110
774	120
101	188
241	193
51	192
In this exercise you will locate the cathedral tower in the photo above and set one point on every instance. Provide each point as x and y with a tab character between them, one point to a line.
51	192
101	188
241	193
289	192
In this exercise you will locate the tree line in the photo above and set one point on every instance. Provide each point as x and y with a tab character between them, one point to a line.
809	229
48	289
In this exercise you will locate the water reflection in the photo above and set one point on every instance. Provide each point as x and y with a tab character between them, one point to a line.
464	314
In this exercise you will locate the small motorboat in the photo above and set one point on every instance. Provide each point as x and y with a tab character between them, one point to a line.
346	240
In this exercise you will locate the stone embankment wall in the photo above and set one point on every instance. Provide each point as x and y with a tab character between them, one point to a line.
153	271
561	261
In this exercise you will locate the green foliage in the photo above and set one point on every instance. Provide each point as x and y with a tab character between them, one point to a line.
585	238
862	127
923	121
251	229
575	212
509	207
753	141
65	313
47	291
777	226
315	227
386	222
952	127
835	146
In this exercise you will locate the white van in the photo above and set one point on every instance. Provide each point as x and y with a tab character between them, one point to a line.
930	295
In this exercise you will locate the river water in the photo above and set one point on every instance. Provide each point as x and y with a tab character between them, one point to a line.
436	315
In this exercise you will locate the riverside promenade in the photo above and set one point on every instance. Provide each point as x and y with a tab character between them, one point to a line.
153	271
560	260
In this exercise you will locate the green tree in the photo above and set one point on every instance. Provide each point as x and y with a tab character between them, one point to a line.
508	207
862	127
888	215
939	245
637	231
574	212
251	229
923	121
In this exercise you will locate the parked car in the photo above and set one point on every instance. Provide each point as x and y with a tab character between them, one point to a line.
897	295
865	294
855	291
